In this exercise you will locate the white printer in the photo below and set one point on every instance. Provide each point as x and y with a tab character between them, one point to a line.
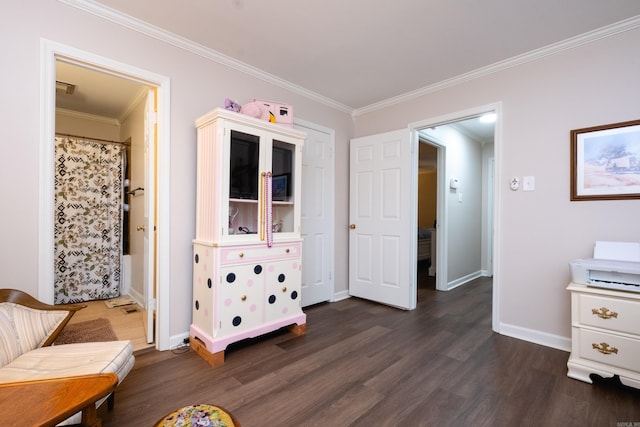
615	265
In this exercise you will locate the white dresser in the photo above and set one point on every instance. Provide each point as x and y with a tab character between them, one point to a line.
605	334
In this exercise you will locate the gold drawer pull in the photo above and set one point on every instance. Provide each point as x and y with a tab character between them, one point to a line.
604	313
284	289
241	254
604	348
243	297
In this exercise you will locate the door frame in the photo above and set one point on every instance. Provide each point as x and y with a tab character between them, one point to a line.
442	207
50	52
442	257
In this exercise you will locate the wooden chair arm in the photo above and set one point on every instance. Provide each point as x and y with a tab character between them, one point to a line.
16	296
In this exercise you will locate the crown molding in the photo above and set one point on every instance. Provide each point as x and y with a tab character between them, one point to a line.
87	116
534	55
140	96
158	33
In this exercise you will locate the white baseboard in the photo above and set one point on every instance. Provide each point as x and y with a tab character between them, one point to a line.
136	296
339	296
464	279
537	337
177	340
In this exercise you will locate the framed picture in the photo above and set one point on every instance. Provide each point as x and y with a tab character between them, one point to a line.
605	162
280	188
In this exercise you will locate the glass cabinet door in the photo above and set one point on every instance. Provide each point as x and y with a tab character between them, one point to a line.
282	185
244	180
254	159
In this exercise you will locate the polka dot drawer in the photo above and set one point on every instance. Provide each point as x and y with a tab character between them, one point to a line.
234	255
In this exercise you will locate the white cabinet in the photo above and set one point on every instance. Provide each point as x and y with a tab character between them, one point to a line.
605	334
247	248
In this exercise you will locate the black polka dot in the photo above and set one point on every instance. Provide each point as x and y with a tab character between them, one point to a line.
257	269
197	258
209	284
272	299
231	277
294	294
281	278
237	320
197	305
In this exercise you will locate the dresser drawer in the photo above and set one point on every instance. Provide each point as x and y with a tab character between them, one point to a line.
608	349
614	314
261	253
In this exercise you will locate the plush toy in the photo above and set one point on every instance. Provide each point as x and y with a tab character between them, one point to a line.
253	109
231	105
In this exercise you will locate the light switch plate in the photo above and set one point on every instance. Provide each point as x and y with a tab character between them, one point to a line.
528	183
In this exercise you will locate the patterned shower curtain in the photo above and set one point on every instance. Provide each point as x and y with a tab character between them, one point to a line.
88	222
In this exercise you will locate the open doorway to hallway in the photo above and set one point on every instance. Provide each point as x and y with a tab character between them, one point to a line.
455	202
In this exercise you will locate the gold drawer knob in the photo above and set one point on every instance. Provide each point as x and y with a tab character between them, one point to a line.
284	289
604	348
243	297
604	313
241	254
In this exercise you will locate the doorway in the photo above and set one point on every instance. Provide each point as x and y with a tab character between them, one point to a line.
156	283
491	173
461	154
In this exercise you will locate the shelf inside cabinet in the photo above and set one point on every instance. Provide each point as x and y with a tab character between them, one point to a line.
254	201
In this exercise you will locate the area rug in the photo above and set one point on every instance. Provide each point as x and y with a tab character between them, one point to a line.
98	330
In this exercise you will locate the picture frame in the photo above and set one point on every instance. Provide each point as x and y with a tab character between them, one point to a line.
280	189
605	162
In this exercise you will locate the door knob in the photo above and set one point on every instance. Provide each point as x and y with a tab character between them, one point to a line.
352	226
141	228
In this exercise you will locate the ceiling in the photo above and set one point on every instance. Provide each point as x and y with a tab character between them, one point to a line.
354	53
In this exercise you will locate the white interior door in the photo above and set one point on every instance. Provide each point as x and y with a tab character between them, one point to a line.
150	132
317	215
382	235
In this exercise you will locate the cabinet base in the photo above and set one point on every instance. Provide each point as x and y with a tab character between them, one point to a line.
582	372
200	349
198	342
298	329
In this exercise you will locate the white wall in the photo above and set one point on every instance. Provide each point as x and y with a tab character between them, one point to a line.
133	128
463	220
71	122
197	86
541	231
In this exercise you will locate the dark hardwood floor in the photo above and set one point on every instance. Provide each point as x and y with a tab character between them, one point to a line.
365	364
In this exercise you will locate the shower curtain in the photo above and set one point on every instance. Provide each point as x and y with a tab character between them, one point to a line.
88	223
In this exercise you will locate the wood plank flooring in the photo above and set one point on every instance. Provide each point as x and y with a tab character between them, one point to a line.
126	323
365	364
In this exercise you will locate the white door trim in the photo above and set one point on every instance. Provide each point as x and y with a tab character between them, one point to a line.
497	193
51	51
442	207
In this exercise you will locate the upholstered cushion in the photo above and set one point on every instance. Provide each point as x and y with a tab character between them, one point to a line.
70	360
67	360
9	347
23	329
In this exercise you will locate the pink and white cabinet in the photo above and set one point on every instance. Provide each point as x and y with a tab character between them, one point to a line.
247	250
